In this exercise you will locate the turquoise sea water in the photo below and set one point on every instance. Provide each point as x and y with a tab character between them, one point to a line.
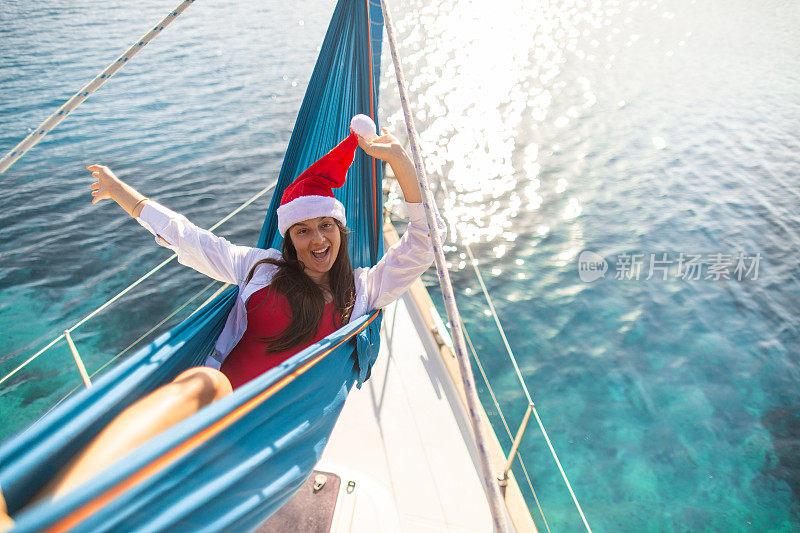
621	128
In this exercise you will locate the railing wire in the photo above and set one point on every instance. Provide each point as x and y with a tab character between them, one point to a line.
513	359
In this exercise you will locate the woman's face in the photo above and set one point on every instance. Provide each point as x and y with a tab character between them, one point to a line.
317	243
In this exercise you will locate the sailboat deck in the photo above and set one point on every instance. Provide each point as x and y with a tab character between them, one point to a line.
406	442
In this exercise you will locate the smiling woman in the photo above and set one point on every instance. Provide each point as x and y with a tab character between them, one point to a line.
287	299
308	298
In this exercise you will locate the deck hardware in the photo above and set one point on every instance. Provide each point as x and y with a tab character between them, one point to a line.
78	360
351	487
440	334
319	481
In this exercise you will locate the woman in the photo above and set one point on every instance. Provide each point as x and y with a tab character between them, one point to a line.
287	300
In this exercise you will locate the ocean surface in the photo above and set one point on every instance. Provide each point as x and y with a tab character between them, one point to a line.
626	174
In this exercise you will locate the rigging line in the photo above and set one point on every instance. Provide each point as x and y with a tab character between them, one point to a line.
505	424
496	402
519	375
132	286
492	309
389	212
151	330
474	264
78	98
563	475
134	343
493	496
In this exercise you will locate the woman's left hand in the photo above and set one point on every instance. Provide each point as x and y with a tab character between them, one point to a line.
389	149
386	147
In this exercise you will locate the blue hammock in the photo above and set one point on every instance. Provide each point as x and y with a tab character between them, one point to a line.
234	463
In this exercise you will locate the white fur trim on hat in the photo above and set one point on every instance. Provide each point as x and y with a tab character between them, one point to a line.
306	207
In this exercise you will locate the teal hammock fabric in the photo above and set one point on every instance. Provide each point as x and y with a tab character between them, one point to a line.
234	463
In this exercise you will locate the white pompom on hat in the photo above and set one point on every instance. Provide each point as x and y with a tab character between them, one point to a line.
364	126
311	194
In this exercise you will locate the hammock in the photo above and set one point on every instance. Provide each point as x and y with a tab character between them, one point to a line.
234	463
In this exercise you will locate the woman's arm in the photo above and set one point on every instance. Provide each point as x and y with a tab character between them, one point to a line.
196	248
413	254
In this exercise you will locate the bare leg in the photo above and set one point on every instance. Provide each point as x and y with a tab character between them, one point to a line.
6	522
166	406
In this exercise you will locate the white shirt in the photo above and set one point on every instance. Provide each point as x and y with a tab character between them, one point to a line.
217	258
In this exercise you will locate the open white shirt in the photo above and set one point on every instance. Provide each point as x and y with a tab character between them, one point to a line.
216	257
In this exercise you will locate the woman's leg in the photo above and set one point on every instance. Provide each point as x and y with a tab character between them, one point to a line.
6	522
166	406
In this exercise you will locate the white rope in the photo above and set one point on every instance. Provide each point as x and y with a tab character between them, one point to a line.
495	499
510	352
130	287
530	401
525	389
78	98
474	264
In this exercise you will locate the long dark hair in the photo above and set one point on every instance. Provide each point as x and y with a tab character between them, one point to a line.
306	298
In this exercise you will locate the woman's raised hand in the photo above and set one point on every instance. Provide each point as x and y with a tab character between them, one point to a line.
106	180
110	186
389	149
385	147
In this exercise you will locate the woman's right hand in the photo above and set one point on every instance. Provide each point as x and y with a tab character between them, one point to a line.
106	181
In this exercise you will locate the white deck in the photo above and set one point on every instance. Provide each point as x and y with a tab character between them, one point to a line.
402	439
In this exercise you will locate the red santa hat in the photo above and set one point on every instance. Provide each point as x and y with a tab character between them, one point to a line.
311	194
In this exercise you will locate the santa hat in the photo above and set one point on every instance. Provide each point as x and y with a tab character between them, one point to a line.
311	194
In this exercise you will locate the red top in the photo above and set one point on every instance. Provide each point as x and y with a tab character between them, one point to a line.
268	313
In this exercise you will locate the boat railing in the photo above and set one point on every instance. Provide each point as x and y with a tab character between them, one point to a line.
516	437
